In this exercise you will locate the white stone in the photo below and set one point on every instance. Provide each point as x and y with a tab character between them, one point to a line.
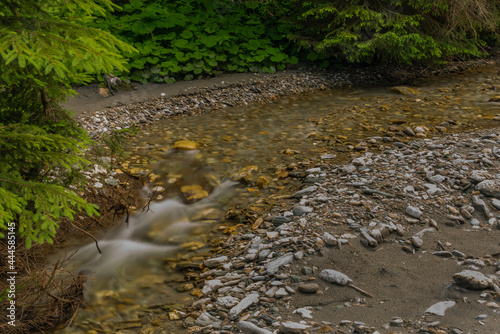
291	327
413	211
440	308
304	312
333	276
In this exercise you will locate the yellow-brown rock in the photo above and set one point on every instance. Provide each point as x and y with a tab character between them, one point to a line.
193	192
245	173
185	145
495	99
404	90
262	182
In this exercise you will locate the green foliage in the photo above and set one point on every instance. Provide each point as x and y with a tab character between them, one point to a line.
184	39
402	31
44	47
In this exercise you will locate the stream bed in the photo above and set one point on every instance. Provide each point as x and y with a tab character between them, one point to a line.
190	162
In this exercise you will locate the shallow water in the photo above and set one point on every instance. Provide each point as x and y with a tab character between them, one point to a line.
328	126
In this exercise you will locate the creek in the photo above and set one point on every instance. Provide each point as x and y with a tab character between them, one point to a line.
191	163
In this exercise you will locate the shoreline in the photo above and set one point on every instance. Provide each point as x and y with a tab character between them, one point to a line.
152	102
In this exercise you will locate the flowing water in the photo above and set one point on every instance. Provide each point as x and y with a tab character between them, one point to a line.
136	280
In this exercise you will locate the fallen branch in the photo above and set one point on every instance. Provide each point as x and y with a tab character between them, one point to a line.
90	235
363	292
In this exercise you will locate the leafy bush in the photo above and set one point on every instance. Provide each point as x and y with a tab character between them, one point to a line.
183	39
403	31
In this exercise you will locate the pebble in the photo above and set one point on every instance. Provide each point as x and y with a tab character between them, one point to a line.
305	191
274	266
413	211
308	287
443	254
333	276
205	319
290	327
243	305
301	210
304	312
329	239
215	262
249	328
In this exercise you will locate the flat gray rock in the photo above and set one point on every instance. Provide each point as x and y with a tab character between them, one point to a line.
243	305
273	266
301	210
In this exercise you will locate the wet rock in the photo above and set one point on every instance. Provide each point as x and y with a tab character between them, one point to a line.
301	210
262	182
490	188
409	131
193	192
291	327
308	287
243	305
495	99
404	90
335	277
249	328
185	145
440	308
273	266
472	279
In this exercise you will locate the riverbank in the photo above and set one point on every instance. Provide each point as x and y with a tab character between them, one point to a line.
149	103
